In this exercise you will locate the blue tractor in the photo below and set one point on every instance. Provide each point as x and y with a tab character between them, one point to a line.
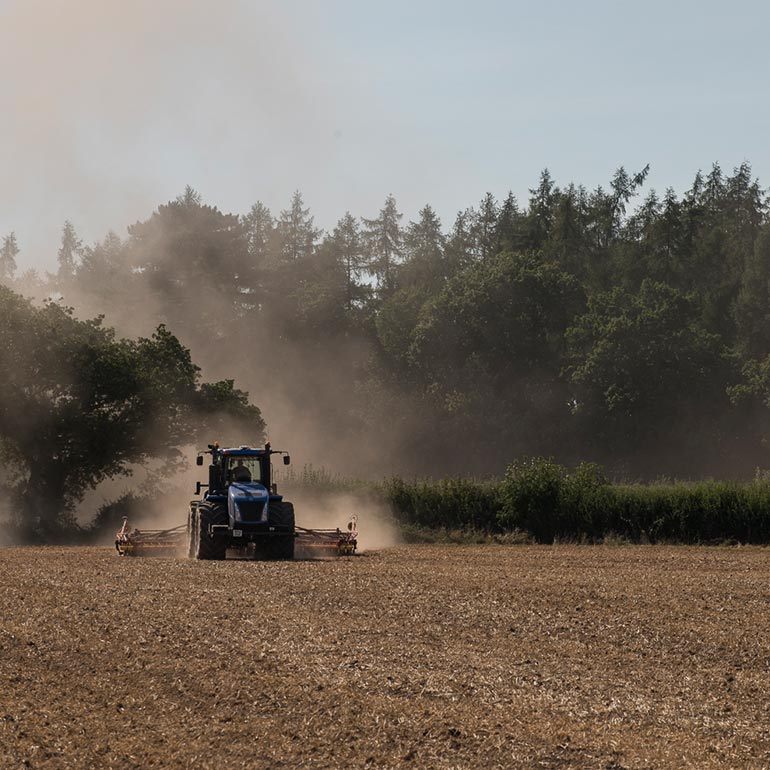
241	507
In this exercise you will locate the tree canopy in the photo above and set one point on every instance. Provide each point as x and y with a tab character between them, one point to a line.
613	325
78	405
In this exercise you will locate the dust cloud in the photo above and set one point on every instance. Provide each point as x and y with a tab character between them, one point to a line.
129	82
8	533
6	536
152	497
376	528
305	391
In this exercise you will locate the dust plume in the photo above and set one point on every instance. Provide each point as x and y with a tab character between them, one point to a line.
309	405
150	499
7	537
330	510
6	518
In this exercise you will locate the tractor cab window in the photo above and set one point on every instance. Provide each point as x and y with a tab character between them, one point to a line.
243	469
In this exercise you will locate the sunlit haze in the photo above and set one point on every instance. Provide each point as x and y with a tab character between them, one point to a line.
111	108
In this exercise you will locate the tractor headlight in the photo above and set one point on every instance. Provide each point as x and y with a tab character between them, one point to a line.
263	519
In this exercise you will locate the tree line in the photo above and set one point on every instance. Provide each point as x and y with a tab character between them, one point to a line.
611	325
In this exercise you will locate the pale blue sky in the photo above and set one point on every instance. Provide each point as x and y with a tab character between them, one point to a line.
110	108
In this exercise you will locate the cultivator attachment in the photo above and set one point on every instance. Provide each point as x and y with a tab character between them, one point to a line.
172	542
150	542
328	542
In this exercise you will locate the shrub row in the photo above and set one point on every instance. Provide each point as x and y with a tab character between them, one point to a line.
454	503
550	502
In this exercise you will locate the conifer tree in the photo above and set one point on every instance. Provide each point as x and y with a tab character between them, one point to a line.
541	211
459	245
424	250
507	229
348	246
8	253
69	251
484	227
260	231
296	235
384	245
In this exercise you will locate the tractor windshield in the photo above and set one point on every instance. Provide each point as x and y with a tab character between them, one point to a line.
244	469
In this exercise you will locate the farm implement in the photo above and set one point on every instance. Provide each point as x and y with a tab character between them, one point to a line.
174	541
328	542
241	513
150	542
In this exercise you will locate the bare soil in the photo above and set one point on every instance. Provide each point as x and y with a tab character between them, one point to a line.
421	656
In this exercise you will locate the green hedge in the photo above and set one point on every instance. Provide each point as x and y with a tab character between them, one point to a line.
549	502
454	503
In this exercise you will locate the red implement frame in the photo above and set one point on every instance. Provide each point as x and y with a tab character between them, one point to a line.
150	542
328	542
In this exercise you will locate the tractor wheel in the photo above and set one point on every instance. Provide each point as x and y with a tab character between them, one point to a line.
206	545
282	515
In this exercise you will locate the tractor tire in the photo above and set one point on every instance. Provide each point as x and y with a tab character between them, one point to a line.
281	515
206	546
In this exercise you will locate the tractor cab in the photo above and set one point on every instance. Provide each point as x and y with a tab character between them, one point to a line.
242	465
246	470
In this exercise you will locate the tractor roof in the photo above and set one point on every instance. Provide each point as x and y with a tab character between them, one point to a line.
242	451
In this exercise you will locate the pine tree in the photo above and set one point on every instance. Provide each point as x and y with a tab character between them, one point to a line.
541	211
624	187
260	231
70	249
714	187
296	235
484	227
670	233
384	245
190	198
459	245
348	246
8	254
507	228
424	249
567	243
260	236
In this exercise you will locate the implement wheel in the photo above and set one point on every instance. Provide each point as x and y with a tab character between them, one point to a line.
204	545
192	532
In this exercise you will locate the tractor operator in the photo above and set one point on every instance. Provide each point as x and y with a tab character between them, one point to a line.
240	472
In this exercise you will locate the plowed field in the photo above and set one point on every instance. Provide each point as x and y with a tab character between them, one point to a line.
421	656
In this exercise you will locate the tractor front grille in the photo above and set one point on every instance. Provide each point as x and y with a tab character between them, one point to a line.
251	510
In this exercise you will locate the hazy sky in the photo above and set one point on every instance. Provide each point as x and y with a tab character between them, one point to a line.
110	107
